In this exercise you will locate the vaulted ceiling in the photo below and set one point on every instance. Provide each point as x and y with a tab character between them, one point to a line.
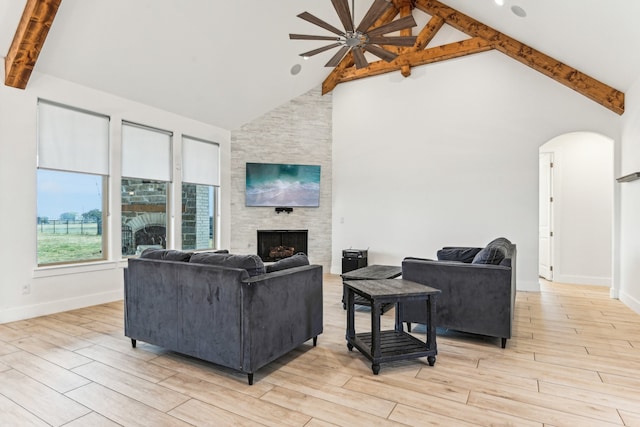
228	62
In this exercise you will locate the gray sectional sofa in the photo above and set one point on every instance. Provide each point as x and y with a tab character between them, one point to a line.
478	288
222	308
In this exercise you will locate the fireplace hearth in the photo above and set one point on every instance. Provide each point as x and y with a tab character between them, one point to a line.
274	245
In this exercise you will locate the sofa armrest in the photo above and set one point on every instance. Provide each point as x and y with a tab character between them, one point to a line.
280	311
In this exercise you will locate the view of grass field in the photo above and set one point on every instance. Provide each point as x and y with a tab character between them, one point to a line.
74	241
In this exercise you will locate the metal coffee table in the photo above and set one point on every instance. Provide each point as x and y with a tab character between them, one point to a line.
372	272
385	346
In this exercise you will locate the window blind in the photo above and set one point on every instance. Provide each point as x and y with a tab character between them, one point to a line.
72	140
146	152
200	161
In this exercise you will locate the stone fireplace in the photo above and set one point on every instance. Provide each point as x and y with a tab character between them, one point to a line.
146	230
277	244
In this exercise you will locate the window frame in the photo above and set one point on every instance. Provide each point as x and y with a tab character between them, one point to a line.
48	141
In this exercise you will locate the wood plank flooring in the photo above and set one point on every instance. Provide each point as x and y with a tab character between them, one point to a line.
574	360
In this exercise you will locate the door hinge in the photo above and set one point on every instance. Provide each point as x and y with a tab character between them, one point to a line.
551	164
551	268
551	234
551	199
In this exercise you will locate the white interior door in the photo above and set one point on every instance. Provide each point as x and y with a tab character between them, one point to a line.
545	234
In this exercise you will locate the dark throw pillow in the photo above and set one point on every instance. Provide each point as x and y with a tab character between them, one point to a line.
296	260
458	254
489	255
166	254
252	263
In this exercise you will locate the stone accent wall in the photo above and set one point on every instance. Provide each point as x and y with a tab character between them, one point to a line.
152	197
195	216
143	214
202	217
298	132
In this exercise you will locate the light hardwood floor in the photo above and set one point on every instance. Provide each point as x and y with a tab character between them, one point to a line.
574	361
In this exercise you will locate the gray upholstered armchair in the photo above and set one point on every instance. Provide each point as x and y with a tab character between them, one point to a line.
478	288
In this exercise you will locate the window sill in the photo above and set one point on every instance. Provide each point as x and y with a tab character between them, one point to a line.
67	269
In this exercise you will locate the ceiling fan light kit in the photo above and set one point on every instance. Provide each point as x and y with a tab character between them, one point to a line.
359	39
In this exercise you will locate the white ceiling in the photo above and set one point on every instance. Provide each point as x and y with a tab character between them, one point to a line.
228	62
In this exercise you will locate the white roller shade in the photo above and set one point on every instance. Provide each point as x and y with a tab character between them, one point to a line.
200	162
72	140
146	153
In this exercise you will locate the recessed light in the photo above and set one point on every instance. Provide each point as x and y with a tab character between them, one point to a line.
518	11
499	2
296	69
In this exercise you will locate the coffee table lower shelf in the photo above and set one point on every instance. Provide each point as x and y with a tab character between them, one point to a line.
394	345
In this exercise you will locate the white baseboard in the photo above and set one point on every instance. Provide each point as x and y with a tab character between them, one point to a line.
630	302
35	310
528	285
582	280
614	293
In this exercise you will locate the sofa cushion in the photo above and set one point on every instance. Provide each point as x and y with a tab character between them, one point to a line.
296	260
166	254
457	254
502	243
489	255
252	263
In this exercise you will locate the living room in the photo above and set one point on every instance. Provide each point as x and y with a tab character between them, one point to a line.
447	156
358	196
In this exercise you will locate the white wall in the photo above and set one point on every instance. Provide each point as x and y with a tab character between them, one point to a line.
449	156
62	288
583	184
629	267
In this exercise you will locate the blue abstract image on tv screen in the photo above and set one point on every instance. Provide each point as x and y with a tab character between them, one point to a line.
282	185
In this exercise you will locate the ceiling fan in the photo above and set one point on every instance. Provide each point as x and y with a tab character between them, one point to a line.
361	38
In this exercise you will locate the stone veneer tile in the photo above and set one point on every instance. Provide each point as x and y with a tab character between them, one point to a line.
299	132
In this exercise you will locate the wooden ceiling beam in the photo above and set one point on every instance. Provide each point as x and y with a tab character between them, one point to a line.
483	38
37	17
405	10
593	89
418	57
429	32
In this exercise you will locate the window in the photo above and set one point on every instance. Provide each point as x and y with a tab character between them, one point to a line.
199	193
146	173
73	165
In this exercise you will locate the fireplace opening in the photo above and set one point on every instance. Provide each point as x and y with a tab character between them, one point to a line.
274	245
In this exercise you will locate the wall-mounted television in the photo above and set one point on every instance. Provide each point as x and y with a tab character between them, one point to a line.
282	185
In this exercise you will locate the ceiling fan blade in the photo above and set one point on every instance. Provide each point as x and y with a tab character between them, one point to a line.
375	11
306	37
358	57
394	41
380	52
320	49
320	23
335	60
397	25
342	9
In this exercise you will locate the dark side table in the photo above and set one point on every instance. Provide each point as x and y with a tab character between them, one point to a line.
386	346
367	273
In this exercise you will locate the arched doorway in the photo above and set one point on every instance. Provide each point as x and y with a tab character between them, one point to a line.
576	209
